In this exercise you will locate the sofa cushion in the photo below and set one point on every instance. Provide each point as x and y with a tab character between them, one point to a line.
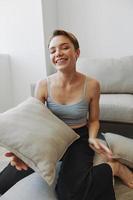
121	148
34	187
115	75
116	107
34	134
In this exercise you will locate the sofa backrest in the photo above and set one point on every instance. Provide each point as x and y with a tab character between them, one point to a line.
114	75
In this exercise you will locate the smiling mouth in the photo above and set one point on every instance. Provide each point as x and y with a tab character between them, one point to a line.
61	60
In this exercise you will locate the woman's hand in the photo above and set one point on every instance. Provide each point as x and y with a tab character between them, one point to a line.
16	162
100	148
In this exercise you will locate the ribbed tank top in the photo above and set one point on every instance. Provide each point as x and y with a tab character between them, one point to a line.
73	113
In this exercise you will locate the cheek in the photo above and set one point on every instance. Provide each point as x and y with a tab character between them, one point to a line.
51	58
73	57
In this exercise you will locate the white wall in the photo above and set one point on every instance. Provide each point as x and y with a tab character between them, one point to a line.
6	95
104	27
22	37
50	22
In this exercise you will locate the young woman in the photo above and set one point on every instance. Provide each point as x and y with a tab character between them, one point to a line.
74	98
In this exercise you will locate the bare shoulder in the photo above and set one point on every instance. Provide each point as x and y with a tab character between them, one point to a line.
41	90
41	83
94	83
93	86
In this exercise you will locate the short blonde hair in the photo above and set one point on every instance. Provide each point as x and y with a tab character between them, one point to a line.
69	35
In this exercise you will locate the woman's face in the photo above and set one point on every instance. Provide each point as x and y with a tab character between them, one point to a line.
62	53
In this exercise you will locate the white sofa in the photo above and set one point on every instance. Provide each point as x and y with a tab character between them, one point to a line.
116	115
116	102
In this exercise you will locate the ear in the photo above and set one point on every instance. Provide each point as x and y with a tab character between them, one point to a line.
77	53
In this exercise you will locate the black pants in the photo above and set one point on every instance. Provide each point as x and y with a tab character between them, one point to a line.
10	175
78	179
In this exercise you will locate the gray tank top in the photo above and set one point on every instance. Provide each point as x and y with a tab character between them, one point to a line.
71	114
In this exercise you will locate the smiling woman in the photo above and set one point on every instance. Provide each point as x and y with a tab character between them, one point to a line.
64	53
74	98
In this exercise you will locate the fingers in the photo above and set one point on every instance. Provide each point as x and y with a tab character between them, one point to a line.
94	144
16	165
9	154
24	166
106	149
20	165
100	148
16	162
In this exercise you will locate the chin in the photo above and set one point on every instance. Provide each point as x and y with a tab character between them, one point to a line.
60	67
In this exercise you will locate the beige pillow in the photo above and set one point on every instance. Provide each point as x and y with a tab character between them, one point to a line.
98	159
122	148
36	136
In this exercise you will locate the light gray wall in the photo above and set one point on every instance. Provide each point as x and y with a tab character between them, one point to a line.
104	27
22	37
50	22
6	93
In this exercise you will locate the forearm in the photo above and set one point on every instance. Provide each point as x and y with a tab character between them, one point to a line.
93	129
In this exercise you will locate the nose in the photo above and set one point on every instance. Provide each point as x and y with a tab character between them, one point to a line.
58	52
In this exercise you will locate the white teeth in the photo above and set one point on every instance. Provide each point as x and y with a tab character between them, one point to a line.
60	60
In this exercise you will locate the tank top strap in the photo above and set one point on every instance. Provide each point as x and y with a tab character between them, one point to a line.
85	87
48	86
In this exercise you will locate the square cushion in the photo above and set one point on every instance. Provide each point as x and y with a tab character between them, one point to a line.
122	148
34	134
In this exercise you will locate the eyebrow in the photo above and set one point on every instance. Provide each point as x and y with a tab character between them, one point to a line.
59	45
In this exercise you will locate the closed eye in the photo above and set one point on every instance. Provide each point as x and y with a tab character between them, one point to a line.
65	47
52	51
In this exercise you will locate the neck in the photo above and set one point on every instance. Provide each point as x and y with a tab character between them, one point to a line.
67	77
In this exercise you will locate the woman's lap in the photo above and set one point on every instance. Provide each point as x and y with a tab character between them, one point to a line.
78	179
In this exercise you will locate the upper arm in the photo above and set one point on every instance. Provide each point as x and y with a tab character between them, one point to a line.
94	101
41	90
